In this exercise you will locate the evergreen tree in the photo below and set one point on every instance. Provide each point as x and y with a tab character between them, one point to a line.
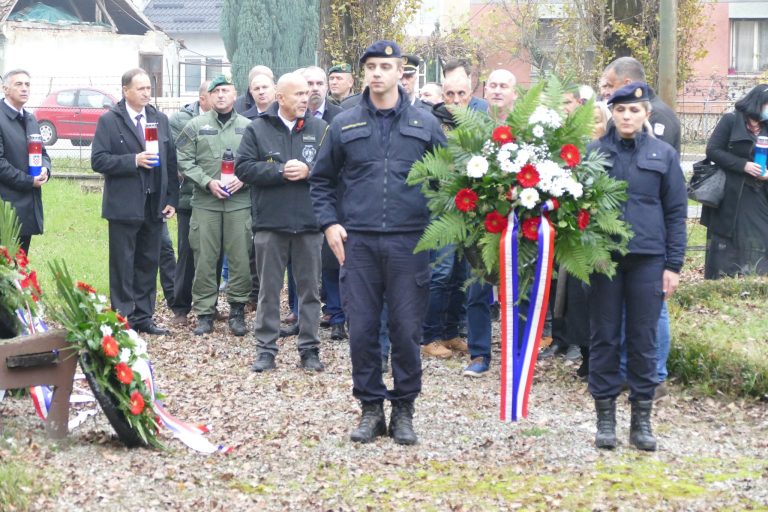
281	34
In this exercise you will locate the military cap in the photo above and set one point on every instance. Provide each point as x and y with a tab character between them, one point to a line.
223	79
630	93
381	49
339	68
411	64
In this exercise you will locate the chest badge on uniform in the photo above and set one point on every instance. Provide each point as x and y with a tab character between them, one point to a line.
308	153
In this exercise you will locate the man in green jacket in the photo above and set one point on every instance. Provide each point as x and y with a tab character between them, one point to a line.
221	207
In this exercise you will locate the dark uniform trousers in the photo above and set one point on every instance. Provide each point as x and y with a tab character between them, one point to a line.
185	266
637	286
134	253
382	267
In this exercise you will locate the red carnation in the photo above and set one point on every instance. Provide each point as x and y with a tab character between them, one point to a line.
570	155
122	320
85	287
109	346
4	254
583	219
124	373
466	200
503	134
21	258
137	403
528	176
30	280
530	228
495	222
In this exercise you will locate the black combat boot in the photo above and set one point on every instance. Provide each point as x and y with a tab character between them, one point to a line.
204	325
401	422
372	423
640	433
606	423
237	319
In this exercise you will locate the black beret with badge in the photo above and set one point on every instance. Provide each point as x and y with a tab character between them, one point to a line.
630	93
410	64
381	49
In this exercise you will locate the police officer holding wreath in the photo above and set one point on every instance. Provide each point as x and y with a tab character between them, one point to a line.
221	206
372	226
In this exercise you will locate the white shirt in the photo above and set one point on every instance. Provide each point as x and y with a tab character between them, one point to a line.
132	114
289	124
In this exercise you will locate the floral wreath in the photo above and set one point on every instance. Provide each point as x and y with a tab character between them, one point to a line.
489	171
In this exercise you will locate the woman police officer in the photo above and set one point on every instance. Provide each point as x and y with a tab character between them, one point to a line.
656	209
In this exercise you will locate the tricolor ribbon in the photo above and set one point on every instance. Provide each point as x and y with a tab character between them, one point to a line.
519	353
190	435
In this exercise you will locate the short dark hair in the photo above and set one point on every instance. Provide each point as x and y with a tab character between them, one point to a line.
627	67
751	105
456	64
129	75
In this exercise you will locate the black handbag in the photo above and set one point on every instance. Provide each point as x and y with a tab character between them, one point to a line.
707	185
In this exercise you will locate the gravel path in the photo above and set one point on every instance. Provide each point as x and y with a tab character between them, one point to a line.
290	432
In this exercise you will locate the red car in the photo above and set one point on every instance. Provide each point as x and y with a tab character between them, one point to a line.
72	114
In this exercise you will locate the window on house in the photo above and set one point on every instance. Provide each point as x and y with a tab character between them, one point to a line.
212	68
749	45
192	75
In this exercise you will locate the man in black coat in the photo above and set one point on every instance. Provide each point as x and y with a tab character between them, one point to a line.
17	186
141	187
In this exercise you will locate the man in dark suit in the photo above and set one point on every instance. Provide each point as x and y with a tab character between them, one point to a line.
141	188
17	186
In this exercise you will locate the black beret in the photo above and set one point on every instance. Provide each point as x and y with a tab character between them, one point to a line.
381	49
630	93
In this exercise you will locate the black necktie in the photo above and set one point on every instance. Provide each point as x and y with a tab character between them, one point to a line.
23	121
139	129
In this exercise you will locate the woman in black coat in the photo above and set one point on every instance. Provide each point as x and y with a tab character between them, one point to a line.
737	231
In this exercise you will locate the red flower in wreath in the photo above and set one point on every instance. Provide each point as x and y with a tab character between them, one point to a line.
466	200
583	219
85	287
495	222
4	254
528	176
30	280
503	134
570	155
109	346
530	228
137	403
21	258
122	320
124	373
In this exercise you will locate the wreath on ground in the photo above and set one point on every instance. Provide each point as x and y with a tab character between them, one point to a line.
489	171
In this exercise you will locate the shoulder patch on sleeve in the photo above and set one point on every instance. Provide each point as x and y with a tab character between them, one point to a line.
658	129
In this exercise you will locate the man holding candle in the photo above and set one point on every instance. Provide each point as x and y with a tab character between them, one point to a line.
221	206
140	189
20	182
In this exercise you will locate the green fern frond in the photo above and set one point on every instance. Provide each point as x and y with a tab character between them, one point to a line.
447	229
9	228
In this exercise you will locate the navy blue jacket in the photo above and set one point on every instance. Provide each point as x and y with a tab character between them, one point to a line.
657	205
375	197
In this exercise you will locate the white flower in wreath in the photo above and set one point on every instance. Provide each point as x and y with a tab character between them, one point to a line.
509	146
546	116
125	355
538	131
509	167
102	299
105	330
477	167
503	156
529	197
488	148
574	188
522	157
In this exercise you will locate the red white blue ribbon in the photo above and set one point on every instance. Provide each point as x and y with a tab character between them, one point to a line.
520	350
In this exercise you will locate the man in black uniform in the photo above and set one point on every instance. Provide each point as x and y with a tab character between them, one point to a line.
138	194
369	152
17	186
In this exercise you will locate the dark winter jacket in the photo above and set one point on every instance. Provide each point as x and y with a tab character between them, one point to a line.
731	146
177	122
279	204
664	122
657	205
114	151
16	185
375	196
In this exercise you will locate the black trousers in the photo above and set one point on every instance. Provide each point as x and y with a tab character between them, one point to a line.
24	242
185	266
134	255
379	267
167	266
637	287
